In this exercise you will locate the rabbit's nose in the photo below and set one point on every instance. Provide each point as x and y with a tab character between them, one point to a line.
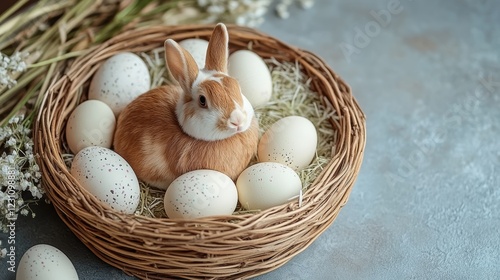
237	120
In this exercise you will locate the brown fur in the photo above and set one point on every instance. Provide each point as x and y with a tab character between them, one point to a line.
151	119
223	95
216	58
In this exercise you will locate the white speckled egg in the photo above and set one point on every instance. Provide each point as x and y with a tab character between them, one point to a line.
92	123
200	193
197	48
108	177
253	75
267	184
291	141
45	262
119	80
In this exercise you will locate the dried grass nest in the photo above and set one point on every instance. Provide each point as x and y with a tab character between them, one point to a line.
150	246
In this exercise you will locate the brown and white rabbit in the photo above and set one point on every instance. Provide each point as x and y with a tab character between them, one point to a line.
204	123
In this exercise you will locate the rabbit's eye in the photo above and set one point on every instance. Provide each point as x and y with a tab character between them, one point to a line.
203	101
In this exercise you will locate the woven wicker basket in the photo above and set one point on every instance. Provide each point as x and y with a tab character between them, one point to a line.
238	246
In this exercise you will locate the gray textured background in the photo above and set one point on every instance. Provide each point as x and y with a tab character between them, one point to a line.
427	201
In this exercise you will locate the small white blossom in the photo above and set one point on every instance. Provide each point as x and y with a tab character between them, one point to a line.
14	120
241	20
35	192
3	197
3	253
9	66
245	12
24	184
306	4
283	5
11	142
202	3
10	158
259	12
233	5
180	15
282	10
216	9
19	172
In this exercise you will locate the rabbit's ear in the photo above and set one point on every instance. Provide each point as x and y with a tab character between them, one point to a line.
217	51
181	64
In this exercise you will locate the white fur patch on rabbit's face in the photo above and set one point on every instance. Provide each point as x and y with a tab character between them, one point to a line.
226	111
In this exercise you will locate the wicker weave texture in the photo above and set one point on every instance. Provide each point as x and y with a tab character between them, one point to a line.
228	247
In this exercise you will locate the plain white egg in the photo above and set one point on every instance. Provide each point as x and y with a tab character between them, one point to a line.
267	184
107	176
119	80
45	262
92	123
291	141
201	193
253	76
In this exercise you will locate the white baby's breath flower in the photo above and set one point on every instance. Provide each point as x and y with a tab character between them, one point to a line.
14	120
11	142
259	12
306	4
17	61
202	3
3	253
3	197
24	184
5	61
11	65
19	171
29	157
241	20
233	5
5	167
283	6
282	10
24	212
35	192
180	15
10	159
216	9
244	12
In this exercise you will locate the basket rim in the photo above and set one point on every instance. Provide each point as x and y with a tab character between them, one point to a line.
64	93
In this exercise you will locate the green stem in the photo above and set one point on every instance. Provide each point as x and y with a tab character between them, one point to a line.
162	8
46	37
12	27
121	19
13	9
56	59
28	77
27	96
